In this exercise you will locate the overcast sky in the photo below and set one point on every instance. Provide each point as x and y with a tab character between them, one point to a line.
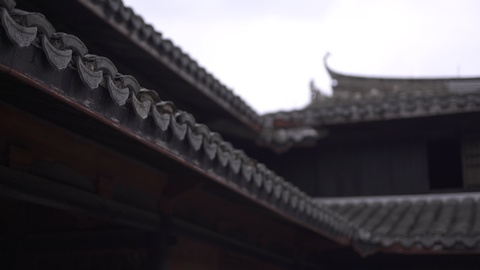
267	51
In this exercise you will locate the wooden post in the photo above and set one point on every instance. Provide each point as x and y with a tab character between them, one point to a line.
158	250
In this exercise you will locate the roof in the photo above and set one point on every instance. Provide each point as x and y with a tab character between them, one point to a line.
353	87
412	224
336	112
63	68
359	99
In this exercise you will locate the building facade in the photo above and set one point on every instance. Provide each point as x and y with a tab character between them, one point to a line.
162	168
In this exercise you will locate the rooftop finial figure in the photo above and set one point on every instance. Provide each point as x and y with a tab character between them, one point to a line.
316	94
314	91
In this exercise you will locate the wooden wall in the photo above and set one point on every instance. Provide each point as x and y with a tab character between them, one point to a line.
358	168
387	158
372	169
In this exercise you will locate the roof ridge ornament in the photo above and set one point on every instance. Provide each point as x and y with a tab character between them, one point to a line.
18	34
57	57
325	59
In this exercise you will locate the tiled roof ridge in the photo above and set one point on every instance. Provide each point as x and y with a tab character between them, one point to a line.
448	222
399	198
335	73
403	106
126	18
67	52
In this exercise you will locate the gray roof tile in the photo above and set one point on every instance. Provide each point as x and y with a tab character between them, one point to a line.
430	222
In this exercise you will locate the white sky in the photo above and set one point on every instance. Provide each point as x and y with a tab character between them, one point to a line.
267	51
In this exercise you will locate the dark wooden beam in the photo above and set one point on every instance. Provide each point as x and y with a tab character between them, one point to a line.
20	185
